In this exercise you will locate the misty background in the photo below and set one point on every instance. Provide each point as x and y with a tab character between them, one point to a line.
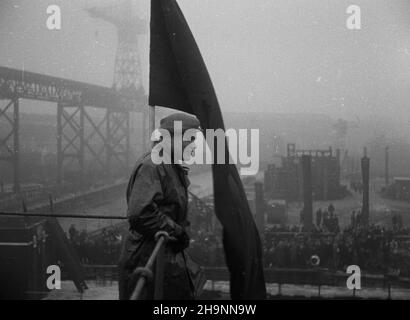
290	68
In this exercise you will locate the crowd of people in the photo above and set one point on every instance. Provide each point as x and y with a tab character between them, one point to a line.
373	248
327	220
103	249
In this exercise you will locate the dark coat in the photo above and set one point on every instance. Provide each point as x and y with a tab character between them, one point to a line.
157	200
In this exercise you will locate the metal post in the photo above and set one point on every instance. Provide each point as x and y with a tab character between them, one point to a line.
127	140
81	155
34	269
108	142
16	150
118	131
161	237
59	144
159	275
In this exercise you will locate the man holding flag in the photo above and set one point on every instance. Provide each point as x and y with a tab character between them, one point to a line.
157	199
179	79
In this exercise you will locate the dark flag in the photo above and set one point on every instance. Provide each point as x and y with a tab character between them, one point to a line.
179	80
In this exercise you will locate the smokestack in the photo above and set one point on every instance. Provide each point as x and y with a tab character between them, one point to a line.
325	177
307	192
386	168
365	181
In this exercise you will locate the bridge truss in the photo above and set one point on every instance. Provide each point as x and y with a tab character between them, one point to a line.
77	129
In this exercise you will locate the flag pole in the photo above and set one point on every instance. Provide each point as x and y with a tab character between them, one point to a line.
151	124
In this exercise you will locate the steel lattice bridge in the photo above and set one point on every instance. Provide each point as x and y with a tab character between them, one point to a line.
73	101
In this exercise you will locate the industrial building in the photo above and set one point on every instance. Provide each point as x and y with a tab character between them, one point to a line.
286	182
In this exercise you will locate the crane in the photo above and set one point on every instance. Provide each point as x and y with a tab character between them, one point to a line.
127	68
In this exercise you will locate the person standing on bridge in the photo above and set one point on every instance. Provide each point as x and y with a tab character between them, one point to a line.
157	198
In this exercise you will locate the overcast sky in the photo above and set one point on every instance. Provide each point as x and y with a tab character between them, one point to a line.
288	56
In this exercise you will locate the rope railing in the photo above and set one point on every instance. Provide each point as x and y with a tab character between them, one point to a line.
146	273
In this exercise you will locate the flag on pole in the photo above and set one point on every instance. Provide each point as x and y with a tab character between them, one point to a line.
179	79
